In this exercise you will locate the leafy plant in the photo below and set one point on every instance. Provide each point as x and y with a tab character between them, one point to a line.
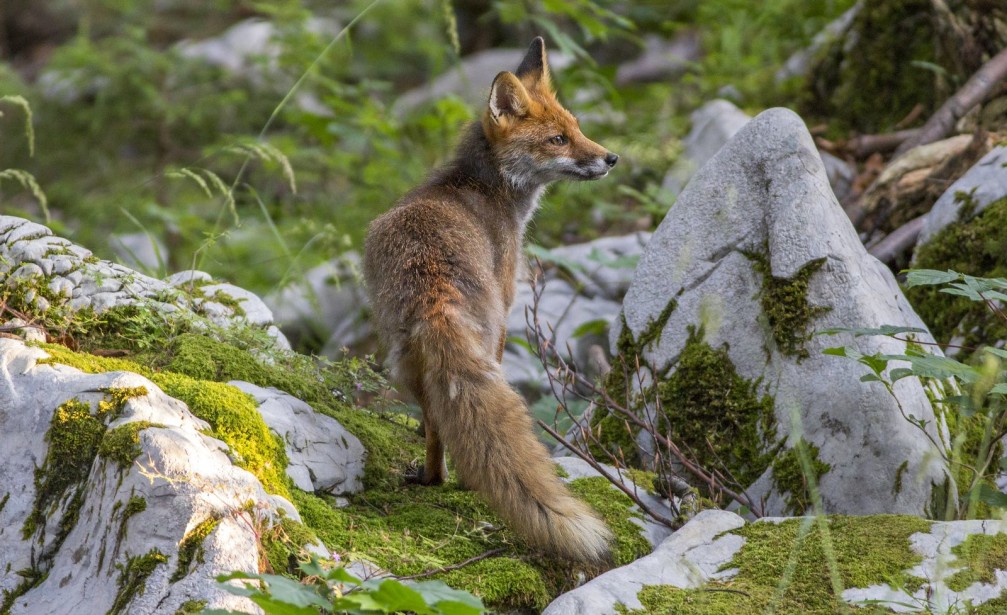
970	399
337	591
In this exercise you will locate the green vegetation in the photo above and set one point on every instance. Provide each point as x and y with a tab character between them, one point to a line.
133	578
190	549
790	567
980	555
972	247
785	304
792	480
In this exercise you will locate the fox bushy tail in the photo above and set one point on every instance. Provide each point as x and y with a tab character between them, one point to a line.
487	430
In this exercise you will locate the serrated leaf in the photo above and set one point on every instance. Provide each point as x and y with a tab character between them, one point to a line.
870	378
999	389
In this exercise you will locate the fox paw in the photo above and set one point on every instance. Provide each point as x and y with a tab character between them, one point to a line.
416	475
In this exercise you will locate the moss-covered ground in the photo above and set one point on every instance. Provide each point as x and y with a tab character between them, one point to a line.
789	569
980	556
406	529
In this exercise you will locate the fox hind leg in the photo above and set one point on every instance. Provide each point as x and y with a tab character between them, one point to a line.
434	470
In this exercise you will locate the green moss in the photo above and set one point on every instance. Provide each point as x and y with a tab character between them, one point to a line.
231	413
235	419
133	578
191	548
973	247
74	435
785	304
791	479
870	80
720	417
122	444
30	577
283	545
897	486
191	607
980	556
611	433
3	502
135	505
781	572
414	529
615	508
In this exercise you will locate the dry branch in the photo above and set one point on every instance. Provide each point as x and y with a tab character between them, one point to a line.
975	90
898	241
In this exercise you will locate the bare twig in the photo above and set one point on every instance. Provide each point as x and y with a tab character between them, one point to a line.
865	145
471	560
898	241
975	90
572	382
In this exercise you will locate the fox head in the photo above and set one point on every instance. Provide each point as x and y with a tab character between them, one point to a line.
534	139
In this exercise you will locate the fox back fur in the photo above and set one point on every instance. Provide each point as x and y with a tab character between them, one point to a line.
441	270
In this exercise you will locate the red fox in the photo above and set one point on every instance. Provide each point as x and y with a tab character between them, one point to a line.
440	269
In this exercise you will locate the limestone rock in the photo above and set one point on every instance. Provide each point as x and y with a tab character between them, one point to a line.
123	518
983	184
713	125
323	455
53	271
688	558
661	60
754	257
140	251
706	549
327	304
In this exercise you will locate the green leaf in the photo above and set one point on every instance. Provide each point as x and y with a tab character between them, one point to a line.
393	596
999	389
547	256
991	496
440	595
888	330
1000	352
591	327
930	277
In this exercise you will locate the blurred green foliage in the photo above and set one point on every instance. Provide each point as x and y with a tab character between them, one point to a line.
126	119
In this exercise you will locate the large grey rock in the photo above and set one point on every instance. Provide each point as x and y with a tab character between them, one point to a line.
140	251
182	476
662	59
983	184
766	194
713	125
55	272
704	549
604	267
690	557
938	565
328	304
323	456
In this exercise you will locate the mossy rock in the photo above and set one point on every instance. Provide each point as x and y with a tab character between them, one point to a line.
406	529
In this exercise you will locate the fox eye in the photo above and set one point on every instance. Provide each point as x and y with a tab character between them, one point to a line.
559	140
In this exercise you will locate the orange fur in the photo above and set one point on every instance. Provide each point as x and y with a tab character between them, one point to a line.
441	270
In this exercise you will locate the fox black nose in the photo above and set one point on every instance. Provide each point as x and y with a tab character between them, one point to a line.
611	159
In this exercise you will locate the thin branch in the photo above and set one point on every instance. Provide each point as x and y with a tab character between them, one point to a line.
975	90
898	241
471	560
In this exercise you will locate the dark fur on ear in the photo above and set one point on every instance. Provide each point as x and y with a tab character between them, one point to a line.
534	68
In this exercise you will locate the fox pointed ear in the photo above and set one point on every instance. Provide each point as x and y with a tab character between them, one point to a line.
534	68
508	98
